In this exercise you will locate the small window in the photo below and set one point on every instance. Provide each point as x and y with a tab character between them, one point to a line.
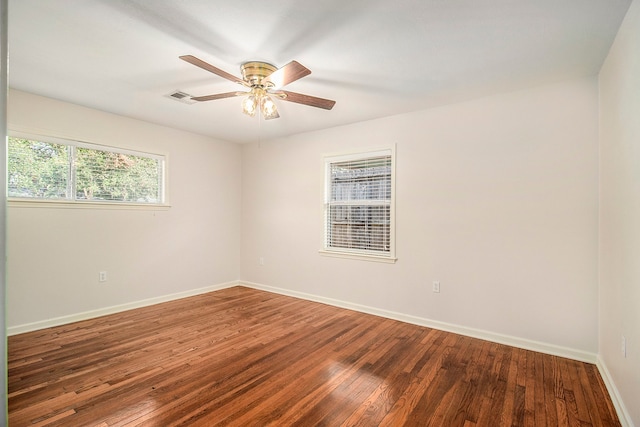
63	170
359	208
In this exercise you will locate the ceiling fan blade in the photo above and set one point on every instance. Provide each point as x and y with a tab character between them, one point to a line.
313	101
208	67
218	96
287	74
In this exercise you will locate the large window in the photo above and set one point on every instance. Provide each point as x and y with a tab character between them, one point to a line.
53	169
359	208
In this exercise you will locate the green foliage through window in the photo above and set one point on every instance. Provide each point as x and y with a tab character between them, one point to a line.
45	170
38	169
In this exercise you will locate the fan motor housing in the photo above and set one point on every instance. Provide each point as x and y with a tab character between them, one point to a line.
254	71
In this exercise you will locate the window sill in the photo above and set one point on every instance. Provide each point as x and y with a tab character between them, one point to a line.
60	204
357	256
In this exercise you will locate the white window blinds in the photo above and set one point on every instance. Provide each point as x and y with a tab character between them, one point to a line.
358	204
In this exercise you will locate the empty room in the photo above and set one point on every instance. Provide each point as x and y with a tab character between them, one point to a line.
362	213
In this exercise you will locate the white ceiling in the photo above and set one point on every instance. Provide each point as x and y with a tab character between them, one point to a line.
374	57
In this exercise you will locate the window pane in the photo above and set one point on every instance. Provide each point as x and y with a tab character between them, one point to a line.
105	175
359	227
37	169
73	171
363	179
358	206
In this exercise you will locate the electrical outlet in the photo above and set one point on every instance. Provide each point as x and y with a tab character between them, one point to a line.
261	261
624	347
436	286
102	276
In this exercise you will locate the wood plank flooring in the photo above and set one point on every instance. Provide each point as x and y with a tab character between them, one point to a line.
242	357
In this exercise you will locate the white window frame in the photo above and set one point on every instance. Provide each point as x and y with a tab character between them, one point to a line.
359	254
72	202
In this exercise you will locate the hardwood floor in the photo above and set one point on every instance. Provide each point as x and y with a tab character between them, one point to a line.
242	357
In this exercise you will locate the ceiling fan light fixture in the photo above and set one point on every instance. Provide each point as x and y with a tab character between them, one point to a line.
268	108
250	105
262	79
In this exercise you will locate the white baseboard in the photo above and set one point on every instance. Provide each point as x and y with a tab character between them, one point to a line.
623	414
526	344
63	320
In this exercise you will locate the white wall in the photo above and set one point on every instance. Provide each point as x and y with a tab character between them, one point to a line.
55	254
4	58
496	198
620	212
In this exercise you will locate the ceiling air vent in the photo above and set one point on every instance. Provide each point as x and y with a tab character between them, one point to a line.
185	98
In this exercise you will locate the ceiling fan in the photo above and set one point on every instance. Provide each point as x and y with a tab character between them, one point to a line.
264	82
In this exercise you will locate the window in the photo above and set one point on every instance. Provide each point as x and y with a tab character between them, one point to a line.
359	208
61	170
